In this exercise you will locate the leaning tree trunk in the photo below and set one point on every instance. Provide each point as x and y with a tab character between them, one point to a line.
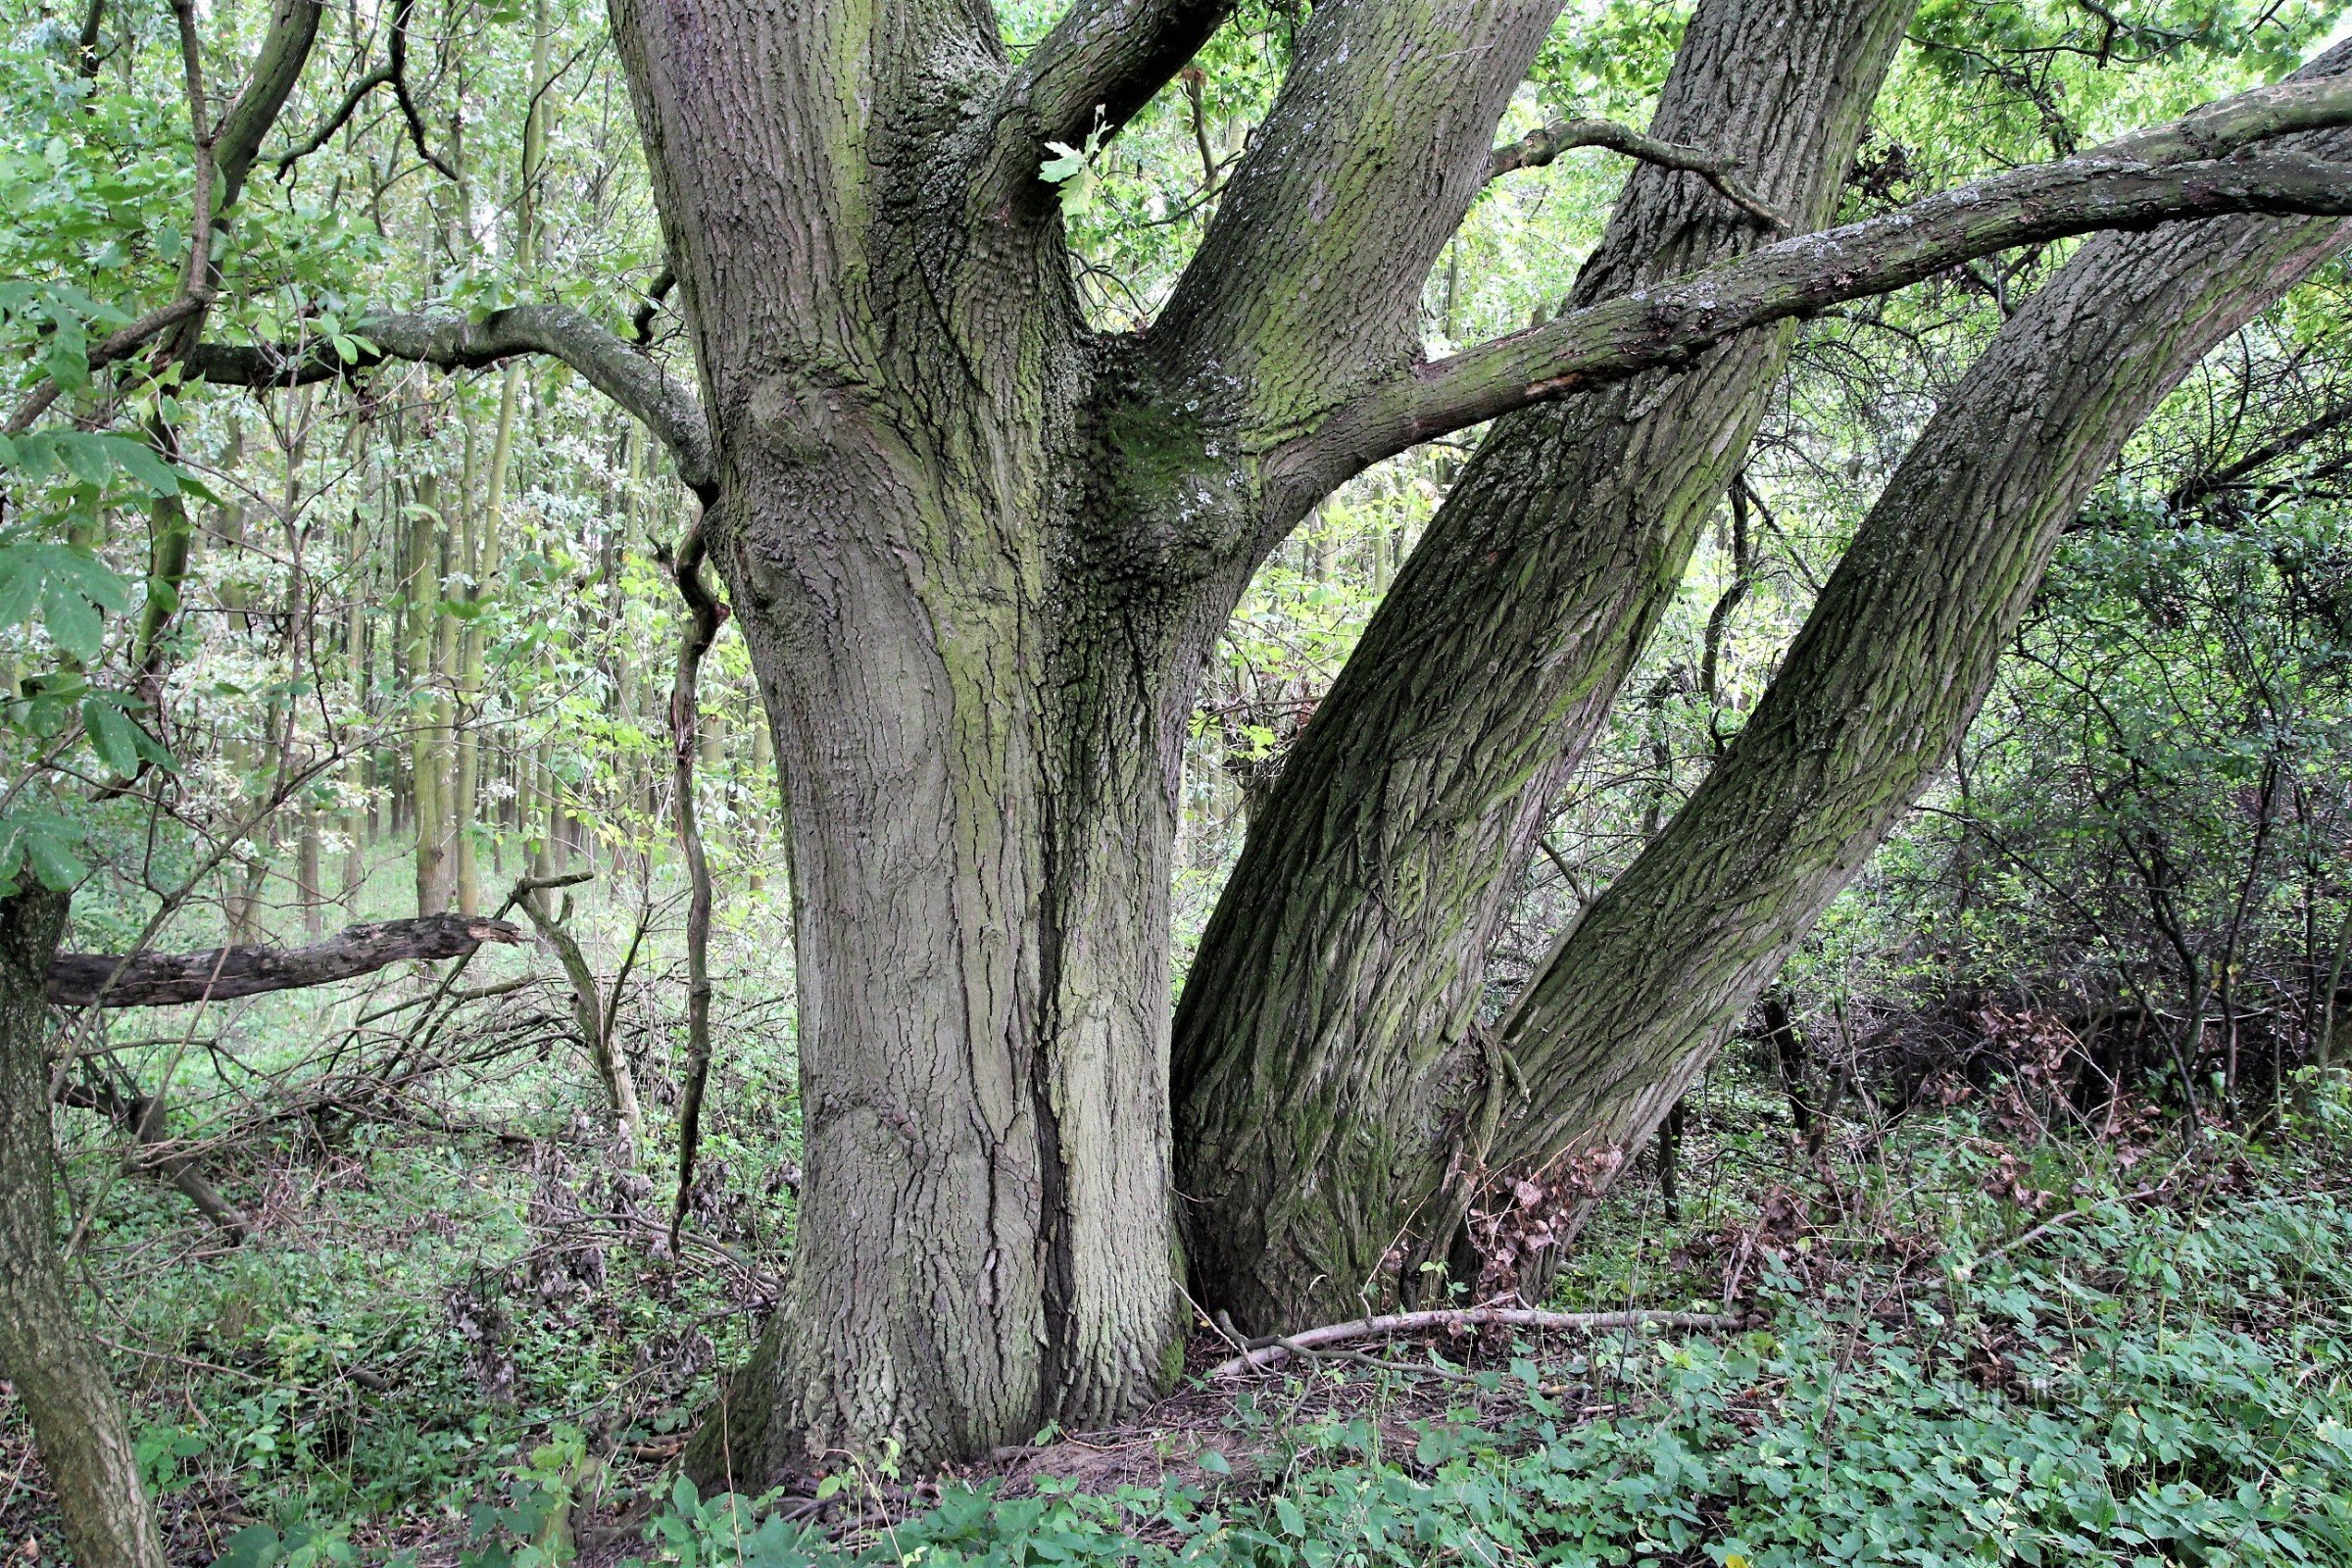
56	1372
1882	681
1323	1020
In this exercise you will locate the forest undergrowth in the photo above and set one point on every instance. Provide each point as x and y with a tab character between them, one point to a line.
1983	1332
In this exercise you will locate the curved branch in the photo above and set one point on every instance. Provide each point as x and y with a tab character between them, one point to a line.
642	324
335	121
1540	147
705	613
1797	277
455	343
397	66
2179	171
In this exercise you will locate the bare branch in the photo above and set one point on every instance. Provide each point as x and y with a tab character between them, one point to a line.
1268	1353
655	292
166	979
454	343
397	67
1539	147
2168	173
335	121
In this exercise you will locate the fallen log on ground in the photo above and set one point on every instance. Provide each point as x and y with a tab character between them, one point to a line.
166	979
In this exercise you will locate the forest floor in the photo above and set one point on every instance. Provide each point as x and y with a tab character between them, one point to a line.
1967	1336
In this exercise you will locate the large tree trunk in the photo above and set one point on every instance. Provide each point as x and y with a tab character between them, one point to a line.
978	552
978	555
1882	681
1336	986
56	1371
979	751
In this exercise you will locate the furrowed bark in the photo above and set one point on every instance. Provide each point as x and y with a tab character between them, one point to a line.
56	1371
1307	285
975	724
169	979
1884	677
1336	979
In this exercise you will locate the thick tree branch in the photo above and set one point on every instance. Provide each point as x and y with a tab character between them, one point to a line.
285	50
454	343
2169	174
166	979
1884	677
1111	55
1539	147
1307	285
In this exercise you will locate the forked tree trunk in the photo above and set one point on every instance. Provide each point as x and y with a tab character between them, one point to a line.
58	1374
1884	677
978	555
1321	1043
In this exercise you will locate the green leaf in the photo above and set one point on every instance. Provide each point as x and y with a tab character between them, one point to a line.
74	623
144	465
48	848
86	457
113	735
1070	165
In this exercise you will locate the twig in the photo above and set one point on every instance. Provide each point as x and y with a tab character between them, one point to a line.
1260	1360
1539	147
2026	1238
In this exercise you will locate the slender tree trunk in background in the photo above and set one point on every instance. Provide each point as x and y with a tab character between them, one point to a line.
1324	1024
2324	1057
359	772
49	1359
1797	1071
752	822
422	604
483	569
308	877
444	733
1885	675
170	535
